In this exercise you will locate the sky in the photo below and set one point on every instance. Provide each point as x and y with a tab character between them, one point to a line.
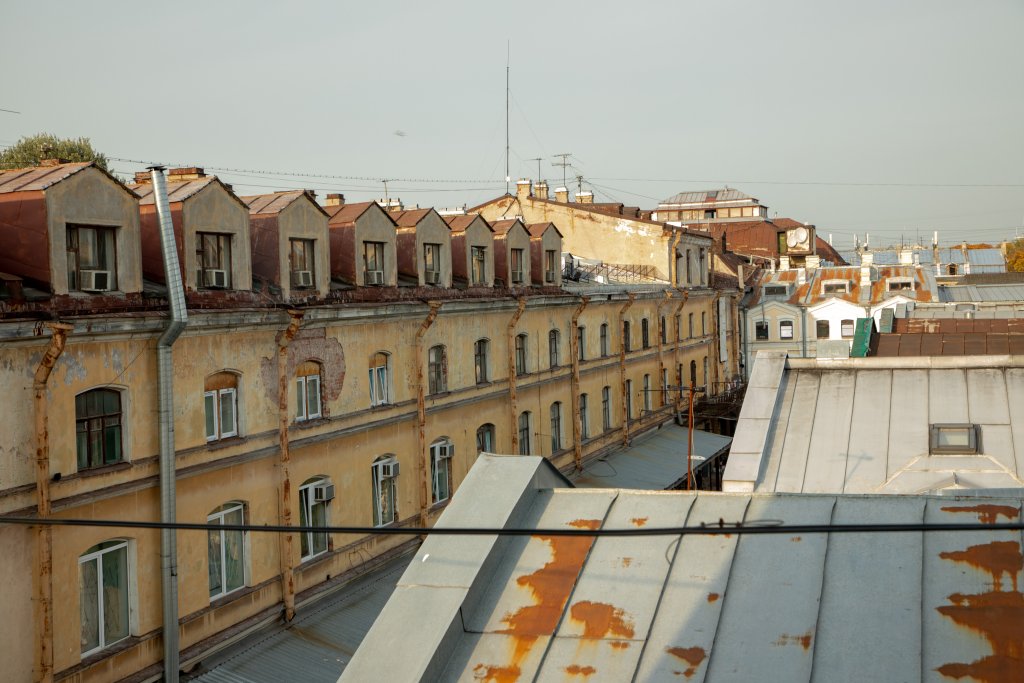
894	119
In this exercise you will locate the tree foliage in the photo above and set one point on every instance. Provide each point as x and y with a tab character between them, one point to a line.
1015	256
30	150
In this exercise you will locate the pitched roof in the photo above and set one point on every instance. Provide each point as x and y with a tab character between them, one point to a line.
502	227
538	229
177	191
953	343
759	238
38	178
706	196
410	218
275	202
342	214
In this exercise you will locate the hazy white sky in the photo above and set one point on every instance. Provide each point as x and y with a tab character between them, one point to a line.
864	116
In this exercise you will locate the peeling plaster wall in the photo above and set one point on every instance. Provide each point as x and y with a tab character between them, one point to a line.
17	560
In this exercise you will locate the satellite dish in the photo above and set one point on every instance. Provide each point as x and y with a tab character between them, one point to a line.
791	239
801	235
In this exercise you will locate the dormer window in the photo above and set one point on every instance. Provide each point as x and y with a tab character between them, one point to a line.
92	262
213	255
835	287
300	263
373	263
776	290
432	263
479	264
896	284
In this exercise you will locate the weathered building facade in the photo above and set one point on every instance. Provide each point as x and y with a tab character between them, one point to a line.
343	405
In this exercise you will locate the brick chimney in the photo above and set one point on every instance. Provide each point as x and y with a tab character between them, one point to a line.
562	195
866	260
540	189
523	187
53	162
585	197
143	177
177	175
335	199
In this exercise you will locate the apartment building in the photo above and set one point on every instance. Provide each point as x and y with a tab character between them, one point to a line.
340	397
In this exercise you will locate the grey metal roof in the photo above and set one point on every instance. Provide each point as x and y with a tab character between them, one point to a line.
1006	292
655	461
820	606
700	197
984	260
862	425
317	645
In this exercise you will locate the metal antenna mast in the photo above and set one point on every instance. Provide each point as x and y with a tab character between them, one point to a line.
508	62
564	163
538	160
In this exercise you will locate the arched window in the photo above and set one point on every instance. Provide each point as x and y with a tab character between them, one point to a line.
481	350
626	342
604	339
441	452
437	370
220	398
485	438
584	419
104	581
521	354
645	333
556	427
553	343
98	428
226	550
524	433
314	496
307	391
380	379
385	490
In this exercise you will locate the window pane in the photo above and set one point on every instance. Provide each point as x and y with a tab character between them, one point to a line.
112	446
210	403
234	557
319	519
313	396
948	437
215	567
87	590
227	413
304	495
300	395
115	595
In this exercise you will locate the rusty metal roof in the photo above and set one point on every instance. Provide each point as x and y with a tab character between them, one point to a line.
460	222
952	344
38	177
538	229
784	607
708	197
275	202
177	191
410	218
502	227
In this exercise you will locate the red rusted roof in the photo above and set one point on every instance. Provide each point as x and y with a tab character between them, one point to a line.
410	218
342	214
38	178
275	202
951	344
459	222
538	229
502	227
760	237
177	191
957	325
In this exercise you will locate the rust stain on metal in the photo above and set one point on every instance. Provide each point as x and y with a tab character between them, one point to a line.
619	644
988	514
639	521
713	597
693	656
422	469
796	539
510	331
574	384
997	615
496	674
601	619
626	561
803	641
577	670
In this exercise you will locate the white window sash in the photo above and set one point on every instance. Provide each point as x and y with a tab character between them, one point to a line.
96	557
227	400
210	406
300	396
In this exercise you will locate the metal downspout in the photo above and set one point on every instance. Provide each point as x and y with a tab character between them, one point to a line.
284	482
622	366
803	333
510	331
165	379
662	334
716	353
422	468
44	535
577	425
675	350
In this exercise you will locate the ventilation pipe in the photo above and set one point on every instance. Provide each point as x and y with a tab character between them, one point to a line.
423	461
165	410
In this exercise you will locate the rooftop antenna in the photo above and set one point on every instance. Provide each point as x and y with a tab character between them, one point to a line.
387	200
508	62
579	183
538	160
564	163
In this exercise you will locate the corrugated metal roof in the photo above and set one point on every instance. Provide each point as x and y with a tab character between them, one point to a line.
732	607
38	178
655	461
1007	292
317	645
275	202
705	196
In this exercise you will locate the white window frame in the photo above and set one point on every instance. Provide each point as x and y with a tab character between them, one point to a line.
485	429
971	430
555	415
218	397
845	284
302	388
307	505
584	417
782	324
379	482
843	328
380	381
96	556
441	454
647	393
219	518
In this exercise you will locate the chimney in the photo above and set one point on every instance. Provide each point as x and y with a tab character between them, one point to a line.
906	257
562	195
812	261
523	187
783	263
801	276
585	197
865	269
740	281
540	190
183	174
53	162
867	259
143	177
335	199
917	260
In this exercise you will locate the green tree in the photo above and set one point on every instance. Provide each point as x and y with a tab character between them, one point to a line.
1015	256
30	150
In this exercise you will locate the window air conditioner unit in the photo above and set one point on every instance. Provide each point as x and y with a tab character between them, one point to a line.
389	469
302	278
549	276
215	278
94	280
374	277
432	277
323	493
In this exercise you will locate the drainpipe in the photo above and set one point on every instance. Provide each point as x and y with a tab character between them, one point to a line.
577	425
803	333
676	236
622	365
421	414
662	333
716	352
44	535
165	409
287	563
510	331
675	349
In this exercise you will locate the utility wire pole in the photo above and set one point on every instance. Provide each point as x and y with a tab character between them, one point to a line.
564	163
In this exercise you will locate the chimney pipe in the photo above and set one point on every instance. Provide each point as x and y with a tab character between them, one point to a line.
335	199
562	195
540	189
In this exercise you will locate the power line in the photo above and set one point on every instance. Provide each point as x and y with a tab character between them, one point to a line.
817	182
755	527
